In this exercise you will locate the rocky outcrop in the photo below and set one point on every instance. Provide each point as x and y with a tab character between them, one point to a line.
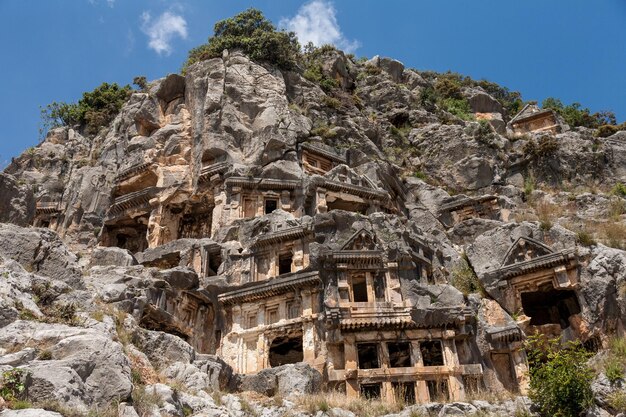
241	228
17	203
286	380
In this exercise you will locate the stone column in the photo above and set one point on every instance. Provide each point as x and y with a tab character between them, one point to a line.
369	280
298	256
308	342
320	200
219	211
421	389
285	200
455	381
236	204
349	348
519	362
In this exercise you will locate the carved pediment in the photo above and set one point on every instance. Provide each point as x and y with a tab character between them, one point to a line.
361	240
524	249
344	174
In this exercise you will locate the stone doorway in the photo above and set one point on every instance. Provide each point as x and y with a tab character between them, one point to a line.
286	350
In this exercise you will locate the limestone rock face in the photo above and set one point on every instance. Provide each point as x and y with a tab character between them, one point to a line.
41	251
244	228
17	204
85	367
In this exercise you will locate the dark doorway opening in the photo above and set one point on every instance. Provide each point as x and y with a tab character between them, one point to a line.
550	306
404	392
432	353
370	391
284	263
215	261
368	355
438	390
285	350
399	354
270	205
359	289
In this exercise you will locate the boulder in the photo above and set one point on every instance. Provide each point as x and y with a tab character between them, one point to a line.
85	366
392	67
207	372
40	251
17	203
30	412
481	102
285	380
105	256
162	348
172	87
180	278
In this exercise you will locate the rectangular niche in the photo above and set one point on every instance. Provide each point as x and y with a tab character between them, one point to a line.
399	354
404	392
358	285
432	353
368	355
438	390
286	350
371	391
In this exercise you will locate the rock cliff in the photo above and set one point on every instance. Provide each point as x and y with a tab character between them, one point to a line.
241	229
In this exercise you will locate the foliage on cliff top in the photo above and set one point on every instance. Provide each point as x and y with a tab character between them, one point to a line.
253	34
93	111
449	85
575	115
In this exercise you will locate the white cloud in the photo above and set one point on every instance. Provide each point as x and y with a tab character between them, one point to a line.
316	22
111	3
162	30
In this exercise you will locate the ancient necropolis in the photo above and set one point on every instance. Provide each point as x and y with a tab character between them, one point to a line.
244	219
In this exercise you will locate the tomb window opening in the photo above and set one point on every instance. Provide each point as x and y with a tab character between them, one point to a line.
368	355
286	350
399	354
271	204
359	289
432	353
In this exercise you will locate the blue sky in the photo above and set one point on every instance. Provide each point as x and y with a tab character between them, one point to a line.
56	49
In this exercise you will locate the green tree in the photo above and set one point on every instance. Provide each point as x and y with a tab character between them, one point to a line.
93	111
560	379
253	34
575	115
141	82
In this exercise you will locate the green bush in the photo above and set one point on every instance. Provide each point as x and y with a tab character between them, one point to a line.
484	132
428	98
510	100
141	82
253	34
93	111
619	189
560	379
13	384
575	115
448	86
457	106
613	369
606	130
465	280
312	60
545	147
584	238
